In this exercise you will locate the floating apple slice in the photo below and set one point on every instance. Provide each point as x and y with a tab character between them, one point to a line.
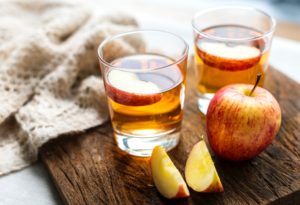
127	89
231	58
166	176
200	171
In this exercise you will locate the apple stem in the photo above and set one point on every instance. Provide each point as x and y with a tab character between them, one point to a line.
256	83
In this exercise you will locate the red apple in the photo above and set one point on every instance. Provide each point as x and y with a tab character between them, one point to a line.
240	125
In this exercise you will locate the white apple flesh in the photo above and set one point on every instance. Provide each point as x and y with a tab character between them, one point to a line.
127	89
224	57
166	176
240	126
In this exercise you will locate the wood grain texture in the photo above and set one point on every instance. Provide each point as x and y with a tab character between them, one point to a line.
88	168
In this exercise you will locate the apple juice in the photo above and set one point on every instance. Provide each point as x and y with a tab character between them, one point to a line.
145	101
219	62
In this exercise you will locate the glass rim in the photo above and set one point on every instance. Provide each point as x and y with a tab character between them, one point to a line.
176	61
217	38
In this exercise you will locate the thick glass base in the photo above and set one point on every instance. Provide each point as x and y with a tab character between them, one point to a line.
203	101
142	146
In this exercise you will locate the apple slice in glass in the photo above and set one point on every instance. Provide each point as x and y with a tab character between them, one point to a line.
127	89
200	171
230	58
166	176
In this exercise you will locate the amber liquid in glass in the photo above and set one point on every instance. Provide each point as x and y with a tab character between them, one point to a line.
219	63
145	102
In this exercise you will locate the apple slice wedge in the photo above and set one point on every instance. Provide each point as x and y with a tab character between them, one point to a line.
230	58
127	89
200	171
166	176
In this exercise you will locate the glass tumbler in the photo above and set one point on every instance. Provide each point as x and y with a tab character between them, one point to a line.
232	45
144	73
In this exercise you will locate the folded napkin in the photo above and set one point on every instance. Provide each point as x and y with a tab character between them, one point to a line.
49	75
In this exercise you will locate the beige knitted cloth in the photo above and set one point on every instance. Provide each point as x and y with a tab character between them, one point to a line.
49	75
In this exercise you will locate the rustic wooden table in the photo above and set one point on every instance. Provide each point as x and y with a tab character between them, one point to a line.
89	168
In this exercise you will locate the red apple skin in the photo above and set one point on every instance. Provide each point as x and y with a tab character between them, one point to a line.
228	64
239	127
181	193
131	99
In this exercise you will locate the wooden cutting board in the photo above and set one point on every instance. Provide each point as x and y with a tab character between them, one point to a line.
88	168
